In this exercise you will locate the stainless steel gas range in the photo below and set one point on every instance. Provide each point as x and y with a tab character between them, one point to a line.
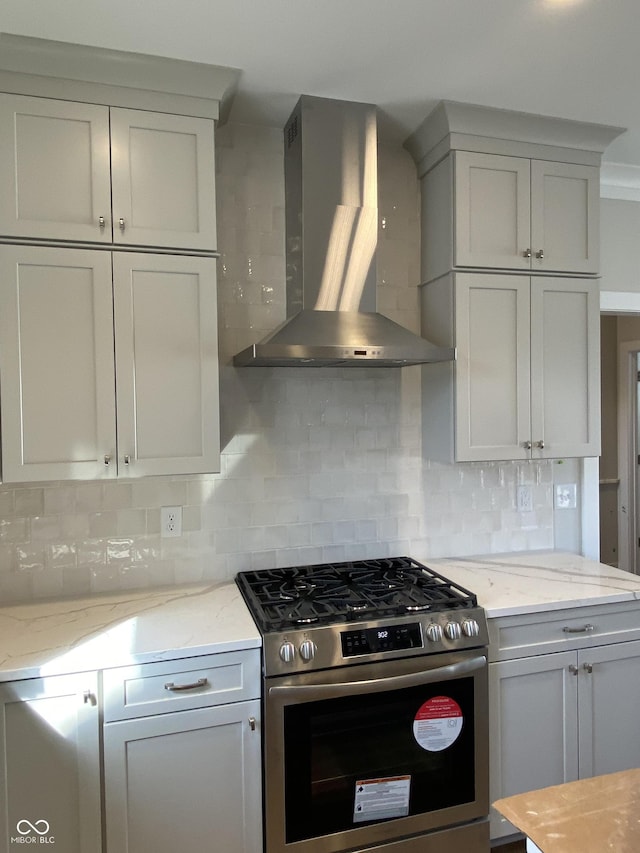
375	709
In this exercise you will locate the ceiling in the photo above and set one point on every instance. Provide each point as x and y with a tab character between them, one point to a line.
576	59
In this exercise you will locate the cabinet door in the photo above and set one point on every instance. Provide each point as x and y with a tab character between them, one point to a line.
188	781
163	180
609	698
565	215
565	367
56	364
50	754
492	211
533	727
492	367
166	364
54	170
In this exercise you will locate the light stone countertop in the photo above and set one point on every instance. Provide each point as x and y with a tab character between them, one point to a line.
537	581
102	631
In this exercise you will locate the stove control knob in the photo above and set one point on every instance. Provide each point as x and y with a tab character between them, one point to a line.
470	628
434	632
287	652
307	650
452	630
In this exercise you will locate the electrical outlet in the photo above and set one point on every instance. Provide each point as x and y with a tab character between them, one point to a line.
524	499
170	521
566	496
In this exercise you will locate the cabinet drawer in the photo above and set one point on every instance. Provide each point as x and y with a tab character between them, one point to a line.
559	630
178	685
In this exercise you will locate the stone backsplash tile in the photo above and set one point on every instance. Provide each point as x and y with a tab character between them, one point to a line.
316	464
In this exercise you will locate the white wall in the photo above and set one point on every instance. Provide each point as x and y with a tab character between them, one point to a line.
619	245
317	464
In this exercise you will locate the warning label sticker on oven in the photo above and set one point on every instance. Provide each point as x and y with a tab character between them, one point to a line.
377	799
438	723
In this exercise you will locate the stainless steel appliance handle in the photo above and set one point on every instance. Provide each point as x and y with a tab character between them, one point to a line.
379	685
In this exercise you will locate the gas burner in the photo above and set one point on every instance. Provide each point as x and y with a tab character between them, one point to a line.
296	588
326	594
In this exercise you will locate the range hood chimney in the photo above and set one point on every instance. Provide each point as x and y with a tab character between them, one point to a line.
331	209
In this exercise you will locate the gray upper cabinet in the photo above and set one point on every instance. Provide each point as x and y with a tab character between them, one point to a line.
519	214
83	172
525	383
503	190
66	313
54	170
163	180
510	252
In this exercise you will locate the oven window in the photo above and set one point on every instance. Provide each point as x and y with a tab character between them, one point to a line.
330	745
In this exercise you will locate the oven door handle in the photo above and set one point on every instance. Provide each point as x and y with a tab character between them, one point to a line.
379	685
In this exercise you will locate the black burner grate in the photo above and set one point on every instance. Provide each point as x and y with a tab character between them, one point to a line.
364	589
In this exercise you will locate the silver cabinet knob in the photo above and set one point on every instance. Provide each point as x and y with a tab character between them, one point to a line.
588	667
121	223
307	650
526	253
127	459
107	459
287	652
89	698
101	222
434	632
252	723
527	445
540	254
470	628
453	630
540	444
573	669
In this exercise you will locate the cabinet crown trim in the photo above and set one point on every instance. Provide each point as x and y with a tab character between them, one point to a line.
34	58
450	121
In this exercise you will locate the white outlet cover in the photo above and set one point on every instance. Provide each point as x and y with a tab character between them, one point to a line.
566	496
170	521
524	499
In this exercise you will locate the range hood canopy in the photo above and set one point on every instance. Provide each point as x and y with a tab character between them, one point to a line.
331	212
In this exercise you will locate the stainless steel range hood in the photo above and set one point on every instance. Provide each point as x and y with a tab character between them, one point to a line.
331	190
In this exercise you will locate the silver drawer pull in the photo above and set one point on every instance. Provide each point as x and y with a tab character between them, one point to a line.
252	723
584	630
201	682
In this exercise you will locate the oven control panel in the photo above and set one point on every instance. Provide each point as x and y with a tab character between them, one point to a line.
386	638
312	647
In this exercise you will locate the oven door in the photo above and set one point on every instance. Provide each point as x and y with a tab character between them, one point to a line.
365	754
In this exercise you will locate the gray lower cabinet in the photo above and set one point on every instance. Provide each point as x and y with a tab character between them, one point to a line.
160	757
50	763
559	715
182	764
188	781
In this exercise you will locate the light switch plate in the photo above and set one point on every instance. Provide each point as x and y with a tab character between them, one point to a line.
566	496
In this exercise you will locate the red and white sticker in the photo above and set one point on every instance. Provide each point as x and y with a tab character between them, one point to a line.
438	723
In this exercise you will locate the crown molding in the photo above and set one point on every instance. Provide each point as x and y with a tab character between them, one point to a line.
124	79
620	180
